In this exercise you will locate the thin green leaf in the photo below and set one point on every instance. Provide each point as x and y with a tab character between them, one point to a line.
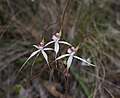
83	84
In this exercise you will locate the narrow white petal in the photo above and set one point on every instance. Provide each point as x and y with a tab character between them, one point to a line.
45	56
48	49
56	47
36	46
66	43
62	56
49	43
33	54
69	61
83	60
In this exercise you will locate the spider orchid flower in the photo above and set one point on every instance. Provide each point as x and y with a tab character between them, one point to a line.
56	40
71	54
40	48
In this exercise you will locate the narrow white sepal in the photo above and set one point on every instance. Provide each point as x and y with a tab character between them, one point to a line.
66	43
33	54
69	61
36	46
48	49
45	56
83	60
56	47
49	43
62	56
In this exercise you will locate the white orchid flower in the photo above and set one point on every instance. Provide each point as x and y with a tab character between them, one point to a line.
40	48
71	54
56	40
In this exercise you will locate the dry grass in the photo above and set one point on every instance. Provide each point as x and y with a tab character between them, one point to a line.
23	23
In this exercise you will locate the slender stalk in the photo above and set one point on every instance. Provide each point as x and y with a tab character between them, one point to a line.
62	20
48	27
66	86
31	72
